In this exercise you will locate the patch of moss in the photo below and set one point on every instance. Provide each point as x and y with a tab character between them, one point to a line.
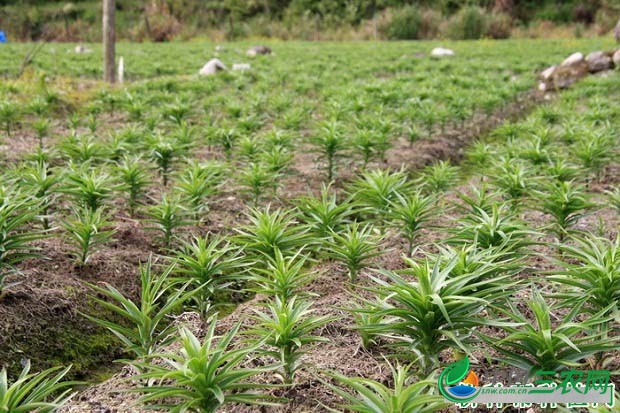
59	341
86	351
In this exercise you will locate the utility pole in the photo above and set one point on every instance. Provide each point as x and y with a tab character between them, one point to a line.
109	40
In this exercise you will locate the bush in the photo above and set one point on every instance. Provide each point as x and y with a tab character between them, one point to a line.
431	22
469	23
556	13
605	21
499	26
158	24
405	24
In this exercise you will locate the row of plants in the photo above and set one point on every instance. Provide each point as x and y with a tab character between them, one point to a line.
514	224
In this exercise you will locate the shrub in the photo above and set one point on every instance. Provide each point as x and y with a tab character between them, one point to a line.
134	180
499	26
283	277
38	180
329	143
430	24
10	114
90	189
614	198
197	183
469	23
208	264
376	189
166	217
86	234
269	232
324	215
355	246
436	311
143	329
202	377
158	25
405	24
439	177
566	202
16	212
288	326
497	228
590	271
410	214
564	343
255	180
372	396
43	392
605	21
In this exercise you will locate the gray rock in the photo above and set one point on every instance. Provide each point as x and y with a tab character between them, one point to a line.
598	61
212	67
256	50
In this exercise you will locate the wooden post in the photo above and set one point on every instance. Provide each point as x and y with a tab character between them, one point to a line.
109	40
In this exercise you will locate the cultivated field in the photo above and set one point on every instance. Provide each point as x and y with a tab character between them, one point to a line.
332	226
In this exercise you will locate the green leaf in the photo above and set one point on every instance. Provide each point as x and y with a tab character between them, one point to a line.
457	371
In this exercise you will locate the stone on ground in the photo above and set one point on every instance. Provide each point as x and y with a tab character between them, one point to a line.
256	50
598	61
547	73
212	67
241	66
81	49
441	52
616	58
573	59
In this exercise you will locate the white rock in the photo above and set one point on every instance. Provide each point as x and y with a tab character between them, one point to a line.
441	51
241	66
212	67
573	59
616	57
542	86
219	48
547	73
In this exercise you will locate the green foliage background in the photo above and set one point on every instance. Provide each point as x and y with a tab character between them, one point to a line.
79	20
